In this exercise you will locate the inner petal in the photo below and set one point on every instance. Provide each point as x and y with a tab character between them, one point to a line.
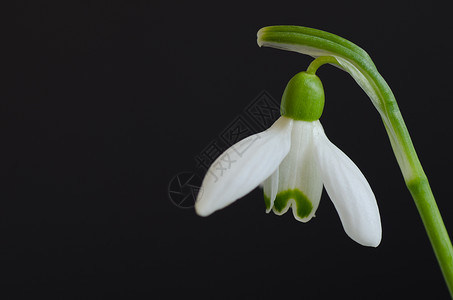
270	189
302	206
299	182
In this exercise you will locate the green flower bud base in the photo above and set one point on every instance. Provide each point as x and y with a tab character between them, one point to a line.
303	98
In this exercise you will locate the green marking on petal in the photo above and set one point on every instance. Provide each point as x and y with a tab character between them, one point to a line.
303	204
267	202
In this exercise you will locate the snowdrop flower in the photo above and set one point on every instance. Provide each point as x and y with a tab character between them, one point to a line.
293	160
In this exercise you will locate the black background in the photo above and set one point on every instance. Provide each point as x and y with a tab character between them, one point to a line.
107	102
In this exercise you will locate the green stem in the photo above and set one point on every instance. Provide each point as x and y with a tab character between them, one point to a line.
333	49
437	233
318	62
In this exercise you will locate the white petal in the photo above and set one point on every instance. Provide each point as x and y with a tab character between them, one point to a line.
299	182
270	189
243	166
349	191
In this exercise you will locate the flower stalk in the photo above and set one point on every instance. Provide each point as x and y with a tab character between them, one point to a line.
330	48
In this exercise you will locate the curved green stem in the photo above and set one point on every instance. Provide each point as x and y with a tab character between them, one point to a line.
330	48
319	61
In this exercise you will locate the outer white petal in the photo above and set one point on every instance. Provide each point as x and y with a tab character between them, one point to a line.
243	167
299	182
349	191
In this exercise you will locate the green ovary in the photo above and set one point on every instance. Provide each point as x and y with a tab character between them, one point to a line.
303	204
